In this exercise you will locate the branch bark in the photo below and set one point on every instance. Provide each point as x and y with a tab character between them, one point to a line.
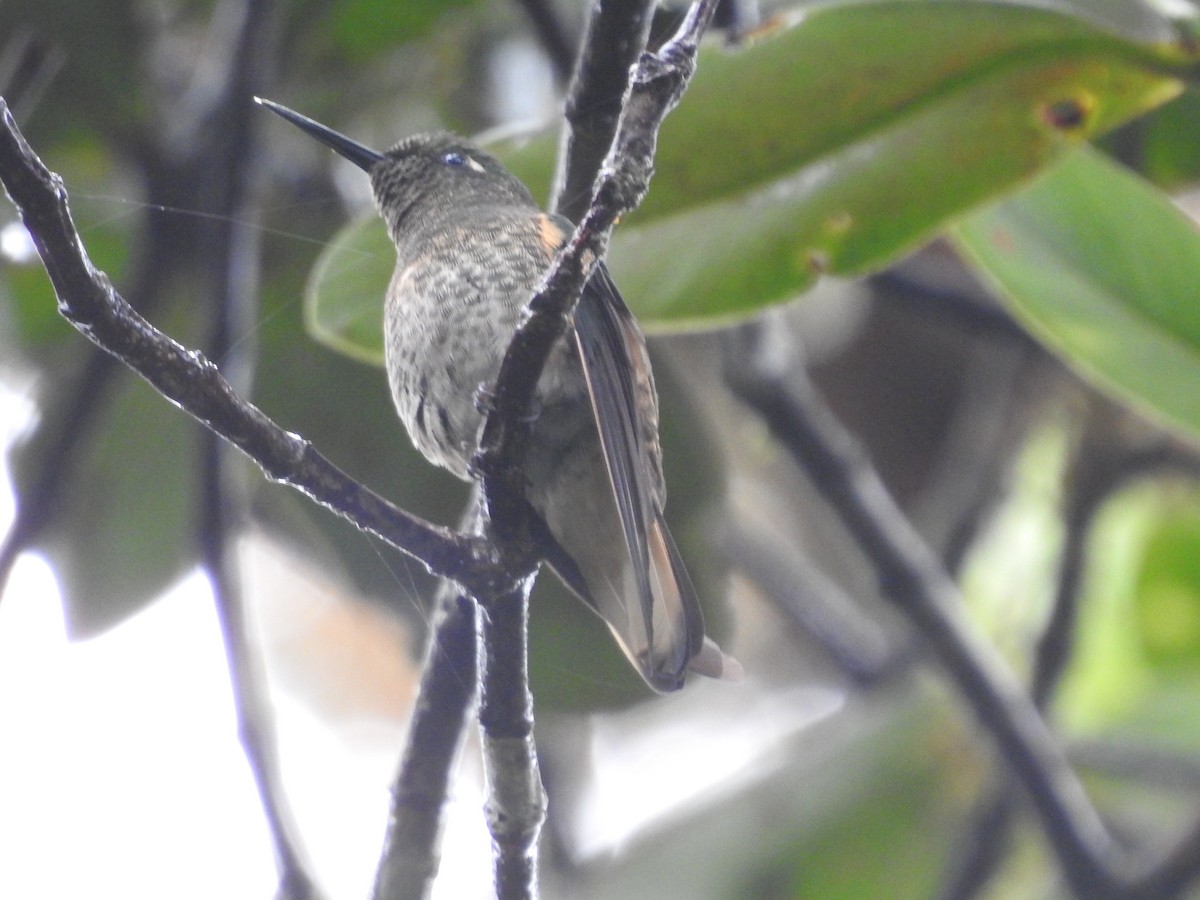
516	802
615	39
448	684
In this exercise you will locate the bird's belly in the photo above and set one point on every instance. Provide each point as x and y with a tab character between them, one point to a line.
443	364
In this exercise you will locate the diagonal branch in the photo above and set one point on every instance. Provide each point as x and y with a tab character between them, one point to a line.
914	580
89	301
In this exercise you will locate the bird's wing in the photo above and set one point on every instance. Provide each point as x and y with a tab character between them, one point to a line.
610	347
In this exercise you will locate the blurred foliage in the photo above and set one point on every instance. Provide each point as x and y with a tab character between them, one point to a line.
832	142
836	141
1102	267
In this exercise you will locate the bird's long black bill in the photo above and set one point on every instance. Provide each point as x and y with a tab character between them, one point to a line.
363	157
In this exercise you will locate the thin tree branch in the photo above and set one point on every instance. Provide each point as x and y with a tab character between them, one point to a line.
1103	465
449	679
987	844
1101	468
230	253
28	65
914	580
972	315
37	504
88	300
1169	877
516	803
614	40
254	715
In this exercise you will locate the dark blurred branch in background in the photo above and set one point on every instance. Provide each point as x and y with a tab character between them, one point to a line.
215	166
229	256
27	65
817	605
766	376
553	35
1102	465
613	40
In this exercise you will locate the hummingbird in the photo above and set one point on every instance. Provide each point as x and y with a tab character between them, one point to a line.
471	246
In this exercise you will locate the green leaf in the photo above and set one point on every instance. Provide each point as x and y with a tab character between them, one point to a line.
103	222
1169	151
122	530
343	300
366	28
1168	587
832	143
1103	268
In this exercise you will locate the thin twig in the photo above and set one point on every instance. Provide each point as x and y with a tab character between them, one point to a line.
449	679
989	832
1103	464
516	802
69	431
1169	877
228	250
914	580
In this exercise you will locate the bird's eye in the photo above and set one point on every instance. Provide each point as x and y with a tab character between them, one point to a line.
454	158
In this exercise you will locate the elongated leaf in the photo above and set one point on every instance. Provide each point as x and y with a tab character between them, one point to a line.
833	143
1104	269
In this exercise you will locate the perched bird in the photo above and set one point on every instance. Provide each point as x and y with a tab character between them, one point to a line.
471	246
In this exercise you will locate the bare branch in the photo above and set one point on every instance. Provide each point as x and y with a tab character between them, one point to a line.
230	256
516	804
817	605
448	684
614	41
